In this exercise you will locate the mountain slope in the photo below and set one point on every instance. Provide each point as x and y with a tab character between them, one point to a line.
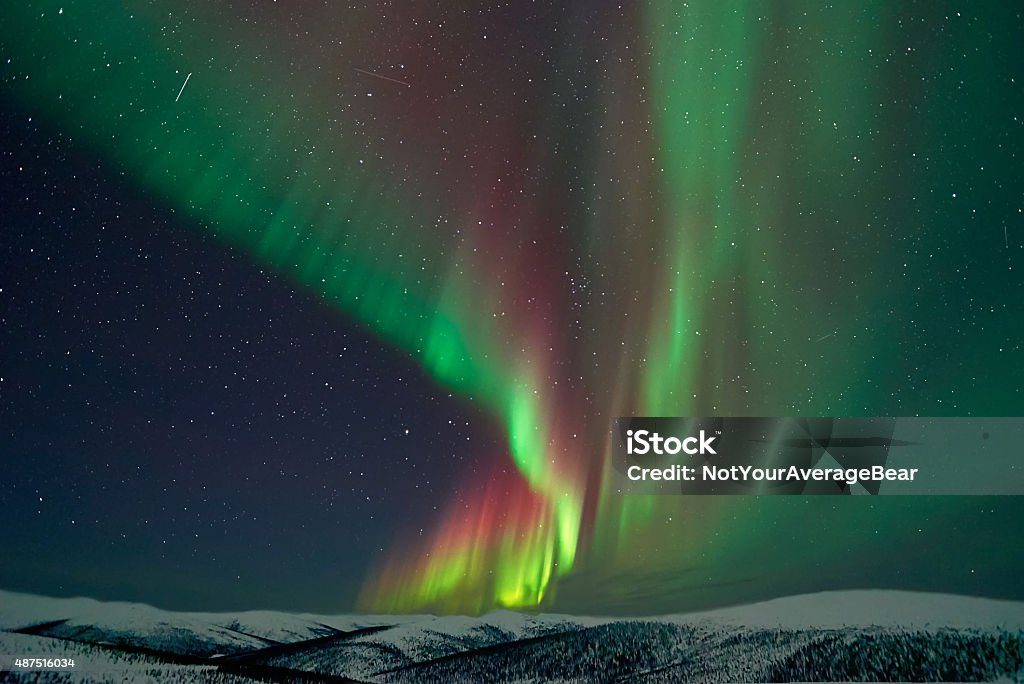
834	636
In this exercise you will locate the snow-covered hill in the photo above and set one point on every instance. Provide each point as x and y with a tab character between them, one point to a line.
838	636
868	608
141	626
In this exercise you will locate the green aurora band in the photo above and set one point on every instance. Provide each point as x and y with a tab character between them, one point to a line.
742	157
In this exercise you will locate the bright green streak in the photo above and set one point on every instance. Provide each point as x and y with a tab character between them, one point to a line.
701	77
239	154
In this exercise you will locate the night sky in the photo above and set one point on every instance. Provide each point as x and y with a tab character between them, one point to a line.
326	307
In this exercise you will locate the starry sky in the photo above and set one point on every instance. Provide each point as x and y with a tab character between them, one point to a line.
328	306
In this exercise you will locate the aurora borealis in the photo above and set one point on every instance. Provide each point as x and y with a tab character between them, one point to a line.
567	213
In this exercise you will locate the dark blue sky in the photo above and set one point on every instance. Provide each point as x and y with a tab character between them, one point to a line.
181	426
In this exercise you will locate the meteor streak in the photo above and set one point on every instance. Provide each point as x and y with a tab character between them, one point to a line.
183	86
382	77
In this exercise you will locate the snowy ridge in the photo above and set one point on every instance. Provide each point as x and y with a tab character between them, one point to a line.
867	635
142	626
870	608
